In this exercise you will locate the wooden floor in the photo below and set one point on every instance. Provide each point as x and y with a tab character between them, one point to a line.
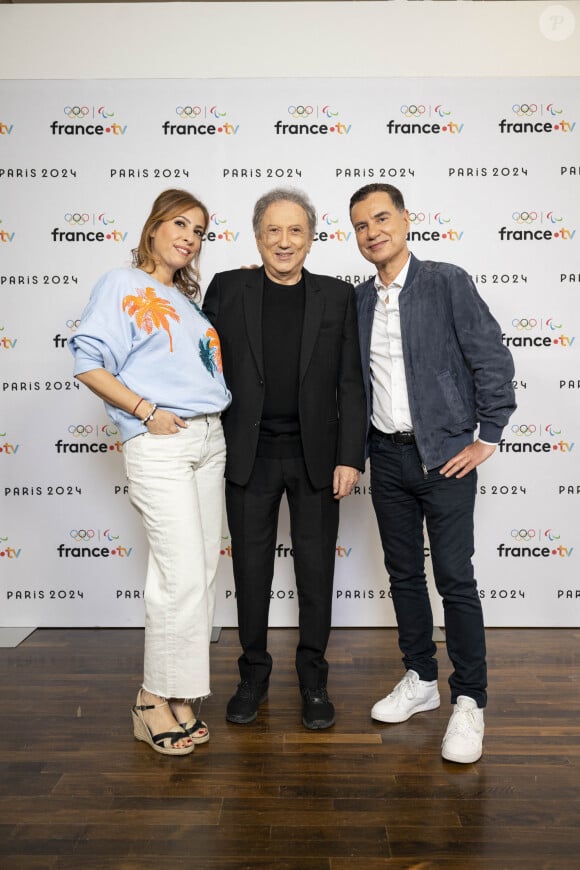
77	791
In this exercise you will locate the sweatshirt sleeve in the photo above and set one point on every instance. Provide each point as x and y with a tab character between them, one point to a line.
104	337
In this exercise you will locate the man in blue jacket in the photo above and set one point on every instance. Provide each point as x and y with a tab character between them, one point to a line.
435	368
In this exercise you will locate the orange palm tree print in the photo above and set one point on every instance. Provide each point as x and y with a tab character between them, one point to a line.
151	312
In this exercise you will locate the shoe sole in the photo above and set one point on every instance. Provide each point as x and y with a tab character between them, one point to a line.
423	708
245	720
466	759
318	724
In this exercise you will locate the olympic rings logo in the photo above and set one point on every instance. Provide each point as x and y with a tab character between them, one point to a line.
523	534
76	218
76	111
524	217
412	111
328	113
80	431
416	217
188	111
522	109
82	534
524	322
72	324
524	429
300	111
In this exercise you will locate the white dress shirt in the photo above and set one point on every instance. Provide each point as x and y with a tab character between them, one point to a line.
391	411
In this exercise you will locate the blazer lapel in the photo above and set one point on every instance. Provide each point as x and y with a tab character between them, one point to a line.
253	296
313	309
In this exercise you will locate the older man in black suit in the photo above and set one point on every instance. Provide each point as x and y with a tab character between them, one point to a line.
296	425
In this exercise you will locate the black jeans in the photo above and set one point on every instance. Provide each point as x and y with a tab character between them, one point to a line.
402	498
253	522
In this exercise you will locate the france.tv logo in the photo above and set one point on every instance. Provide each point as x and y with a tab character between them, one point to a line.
87	121
200	120
538	332
422	119
309	119
534	543
88	438
537	118
79	222
93	543
536	438
534	225
5	128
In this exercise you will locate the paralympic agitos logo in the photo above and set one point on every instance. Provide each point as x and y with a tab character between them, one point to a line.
95	227
535	438
199	120
532	225
420	119
87	121
534	543
311	120
536	118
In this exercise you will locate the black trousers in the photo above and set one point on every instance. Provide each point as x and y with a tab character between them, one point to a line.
252	512
402	497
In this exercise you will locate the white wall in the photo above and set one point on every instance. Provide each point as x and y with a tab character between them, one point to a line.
397	38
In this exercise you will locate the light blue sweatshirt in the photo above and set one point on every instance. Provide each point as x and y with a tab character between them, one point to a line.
155	342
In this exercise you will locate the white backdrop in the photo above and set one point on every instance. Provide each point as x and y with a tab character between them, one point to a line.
491	177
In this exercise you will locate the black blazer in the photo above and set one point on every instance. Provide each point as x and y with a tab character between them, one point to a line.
331	399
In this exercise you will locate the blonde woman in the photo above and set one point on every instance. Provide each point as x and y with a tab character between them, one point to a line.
145	348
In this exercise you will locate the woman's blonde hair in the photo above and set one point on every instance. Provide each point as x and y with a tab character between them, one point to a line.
168	205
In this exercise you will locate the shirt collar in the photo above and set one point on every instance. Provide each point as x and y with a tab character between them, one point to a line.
399	281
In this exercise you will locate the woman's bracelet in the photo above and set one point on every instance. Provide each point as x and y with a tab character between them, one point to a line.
136	406
149	415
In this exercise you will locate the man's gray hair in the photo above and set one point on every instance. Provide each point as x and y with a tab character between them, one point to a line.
284	194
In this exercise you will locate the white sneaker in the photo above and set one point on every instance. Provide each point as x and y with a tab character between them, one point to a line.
463	741
410	696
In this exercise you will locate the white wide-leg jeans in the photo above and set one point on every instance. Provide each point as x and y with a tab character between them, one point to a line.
176	484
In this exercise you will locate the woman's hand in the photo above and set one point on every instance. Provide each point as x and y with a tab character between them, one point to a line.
165	423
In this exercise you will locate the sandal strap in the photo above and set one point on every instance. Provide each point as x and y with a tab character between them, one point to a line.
150	706
173	736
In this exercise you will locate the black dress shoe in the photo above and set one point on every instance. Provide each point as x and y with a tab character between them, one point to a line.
317	711
243	706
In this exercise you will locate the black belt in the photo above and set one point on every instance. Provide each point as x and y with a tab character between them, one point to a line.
396	437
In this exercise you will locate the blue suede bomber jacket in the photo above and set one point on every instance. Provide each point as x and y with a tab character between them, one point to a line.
459	373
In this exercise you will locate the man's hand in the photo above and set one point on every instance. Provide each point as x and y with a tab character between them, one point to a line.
469	458
343	481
